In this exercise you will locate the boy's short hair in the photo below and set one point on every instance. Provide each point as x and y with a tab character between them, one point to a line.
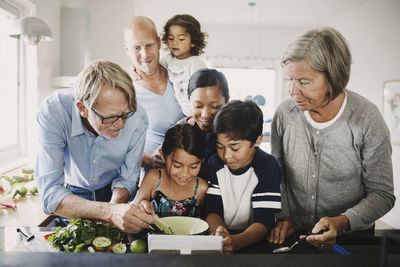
240	120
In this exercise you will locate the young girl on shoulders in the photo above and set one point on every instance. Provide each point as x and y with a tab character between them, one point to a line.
176	190
182	34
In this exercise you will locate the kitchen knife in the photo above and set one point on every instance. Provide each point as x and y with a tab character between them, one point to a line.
31	242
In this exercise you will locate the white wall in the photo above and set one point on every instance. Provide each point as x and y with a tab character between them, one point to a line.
48	52
373	33
107	21
249	41
43	62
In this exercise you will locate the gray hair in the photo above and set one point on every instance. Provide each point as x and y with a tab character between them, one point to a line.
326	51
91	79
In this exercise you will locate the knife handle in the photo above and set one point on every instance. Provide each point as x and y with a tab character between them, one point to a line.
25	234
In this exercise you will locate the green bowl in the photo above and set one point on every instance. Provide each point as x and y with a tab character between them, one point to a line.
182	225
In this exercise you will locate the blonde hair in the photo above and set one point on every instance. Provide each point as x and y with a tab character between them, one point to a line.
326	51
91	79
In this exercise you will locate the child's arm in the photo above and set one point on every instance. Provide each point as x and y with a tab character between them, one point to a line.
254	233
214	221
143	195
201	191
134	74
147	207
165	59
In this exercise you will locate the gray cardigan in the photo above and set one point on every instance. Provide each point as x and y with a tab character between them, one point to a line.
345	168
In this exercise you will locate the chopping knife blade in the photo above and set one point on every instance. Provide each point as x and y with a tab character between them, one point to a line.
31	242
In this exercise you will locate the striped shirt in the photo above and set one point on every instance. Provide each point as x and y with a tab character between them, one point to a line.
250	195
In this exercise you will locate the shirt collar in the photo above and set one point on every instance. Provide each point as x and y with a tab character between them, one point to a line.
77	125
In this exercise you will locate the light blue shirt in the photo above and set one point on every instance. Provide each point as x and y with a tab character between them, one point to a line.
70	154
163	112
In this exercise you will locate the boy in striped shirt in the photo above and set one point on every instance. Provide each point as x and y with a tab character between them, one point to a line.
244	181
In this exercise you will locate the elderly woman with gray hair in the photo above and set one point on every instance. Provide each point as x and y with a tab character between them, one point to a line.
332	144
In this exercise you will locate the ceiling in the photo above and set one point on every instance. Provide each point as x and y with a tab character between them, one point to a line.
251	12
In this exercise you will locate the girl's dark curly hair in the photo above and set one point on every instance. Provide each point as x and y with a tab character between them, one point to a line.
193	27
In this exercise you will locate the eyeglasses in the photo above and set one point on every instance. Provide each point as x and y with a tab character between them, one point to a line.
112	119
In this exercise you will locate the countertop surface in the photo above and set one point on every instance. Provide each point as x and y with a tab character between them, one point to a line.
365	250
28	212
96	260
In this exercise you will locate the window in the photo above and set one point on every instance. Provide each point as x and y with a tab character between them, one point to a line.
255	84
259	86
11	110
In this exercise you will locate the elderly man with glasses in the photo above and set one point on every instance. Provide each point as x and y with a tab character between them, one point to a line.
91	144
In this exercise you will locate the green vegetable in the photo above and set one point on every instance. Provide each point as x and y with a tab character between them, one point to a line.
5	177
138	246
19	179
101	243
27	170
22	190
83	231
79	247
31	186
119	248
14	192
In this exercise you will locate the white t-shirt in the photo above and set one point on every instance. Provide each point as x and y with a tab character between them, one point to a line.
322	125
179	73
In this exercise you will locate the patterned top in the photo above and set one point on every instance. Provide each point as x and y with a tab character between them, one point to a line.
164	206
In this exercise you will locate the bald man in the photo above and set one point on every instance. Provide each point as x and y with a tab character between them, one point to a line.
154	91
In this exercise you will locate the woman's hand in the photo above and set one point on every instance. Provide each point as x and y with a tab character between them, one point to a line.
227	240
188	120
284	228
331	227
153	159
147	207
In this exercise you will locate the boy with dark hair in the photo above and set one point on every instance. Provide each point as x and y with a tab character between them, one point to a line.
244	192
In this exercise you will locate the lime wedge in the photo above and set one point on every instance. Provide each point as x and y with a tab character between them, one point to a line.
101	243
119	248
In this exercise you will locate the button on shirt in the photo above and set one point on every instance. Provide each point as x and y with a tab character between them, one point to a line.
71	154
